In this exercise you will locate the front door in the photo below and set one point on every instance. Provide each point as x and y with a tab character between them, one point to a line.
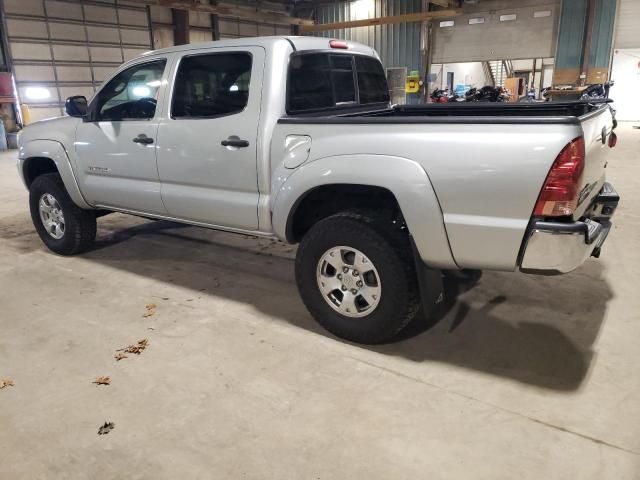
115	148
207	145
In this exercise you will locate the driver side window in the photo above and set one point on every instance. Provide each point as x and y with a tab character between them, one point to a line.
132	94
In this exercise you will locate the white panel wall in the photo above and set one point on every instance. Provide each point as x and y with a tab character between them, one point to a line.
625	70
68	47
469	73
625	73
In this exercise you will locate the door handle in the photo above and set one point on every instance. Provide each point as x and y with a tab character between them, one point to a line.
234	141
143	139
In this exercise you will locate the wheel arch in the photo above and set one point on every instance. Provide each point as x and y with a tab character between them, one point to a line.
397	178
38	157
325	200
33	167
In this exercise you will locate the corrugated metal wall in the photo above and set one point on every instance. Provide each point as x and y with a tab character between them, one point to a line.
570	40
601	41
398	45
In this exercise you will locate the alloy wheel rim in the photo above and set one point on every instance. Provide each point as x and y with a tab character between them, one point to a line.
348	281
51	216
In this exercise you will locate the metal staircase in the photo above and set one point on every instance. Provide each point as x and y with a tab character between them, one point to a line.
500	70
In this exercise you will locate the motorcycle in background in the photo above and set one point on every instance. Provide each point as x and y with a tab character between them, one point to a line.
488	94
440	95
598	90
484	94
445	96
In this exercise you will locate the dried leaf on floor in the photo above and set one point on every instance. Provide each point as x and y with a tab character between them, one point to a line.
102	381
119	356
137	348
151	309
5	382
106	428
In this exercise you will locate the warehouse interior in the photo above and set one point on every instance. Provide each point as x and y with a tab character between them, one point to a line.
516	376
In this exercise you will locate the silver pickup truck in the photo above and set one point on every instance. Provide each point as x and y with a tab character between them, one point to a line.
294	138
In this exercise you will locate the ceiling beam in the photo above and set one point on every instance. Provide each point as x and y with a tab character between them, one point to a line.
228	10
406	18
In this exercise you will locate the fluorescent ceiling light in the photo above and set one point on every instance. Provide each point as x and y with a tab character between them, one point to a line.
37	93
361	9
508	18
542	14
447	23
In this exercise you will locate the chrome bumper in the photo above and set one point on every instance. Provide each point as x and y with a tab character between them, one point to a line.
554	248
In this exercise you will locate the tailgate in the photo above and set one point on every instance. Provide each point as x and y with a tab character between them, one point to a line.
597	127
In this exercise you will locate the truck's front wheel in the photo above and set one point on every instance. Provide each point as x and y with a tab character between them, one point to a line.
64	228
355	278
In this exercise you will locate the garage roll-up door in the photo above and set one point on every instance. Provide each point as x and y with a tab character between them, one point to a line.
502	33
628	24
60	48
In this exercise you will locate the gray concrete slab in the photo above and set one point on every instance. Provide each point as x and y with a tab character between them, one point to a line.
524	377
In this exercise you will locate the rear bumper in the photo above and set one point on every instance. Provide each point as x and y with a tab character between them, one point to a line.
553	248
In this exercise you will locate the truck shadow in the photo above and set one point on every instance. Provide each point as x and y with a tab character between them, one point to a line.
535	330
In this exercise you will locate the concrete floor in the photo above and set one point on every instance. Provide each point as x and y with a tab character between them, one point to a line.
525	377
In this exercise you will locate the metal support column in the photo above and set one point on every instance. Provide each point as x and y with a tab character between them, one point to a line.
180	26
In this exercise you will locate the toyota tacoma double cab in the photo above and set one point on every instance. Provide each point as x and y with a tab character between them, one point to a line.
295	138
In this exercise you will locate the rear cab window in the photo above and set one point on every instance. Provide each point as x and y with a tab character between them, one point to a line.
320	81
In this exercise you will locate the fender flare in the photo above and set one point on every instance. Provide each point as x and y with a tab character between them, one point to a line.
56	152
404	178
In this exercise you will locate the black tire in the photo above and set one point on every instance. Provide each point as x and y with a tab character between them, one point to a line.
79	225
389	250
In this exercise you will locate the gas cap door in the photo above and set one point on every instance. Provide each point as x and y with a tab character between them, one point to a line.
296	150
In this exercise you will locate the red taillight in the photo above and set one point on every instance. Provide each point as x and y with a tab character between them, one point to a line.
559	195
338	44
613	139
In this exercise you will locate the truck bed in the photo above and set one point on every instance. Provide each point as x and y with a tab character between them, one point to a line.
486	163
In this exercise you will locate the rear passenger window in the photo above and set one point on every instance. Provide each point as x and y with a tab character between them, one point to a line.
211	85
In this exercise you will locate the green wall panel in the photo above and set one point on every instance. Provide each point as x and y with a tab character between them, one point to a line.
571	33
602	34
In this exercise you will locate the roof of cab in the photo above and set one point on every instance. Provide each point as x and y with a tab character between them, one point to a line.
297	43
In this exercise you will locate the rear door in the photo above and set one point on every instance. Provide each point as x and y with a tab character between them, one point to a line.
207	145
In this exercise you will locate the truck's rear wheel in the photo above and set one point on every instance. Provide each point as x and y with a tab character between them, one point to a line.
355	278
64	228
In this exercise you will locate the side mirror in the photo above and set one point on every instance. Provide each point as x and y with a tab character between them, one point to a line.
76	106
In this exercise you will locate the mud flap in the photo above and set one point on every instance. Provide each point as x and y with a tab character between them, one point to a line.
429	282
